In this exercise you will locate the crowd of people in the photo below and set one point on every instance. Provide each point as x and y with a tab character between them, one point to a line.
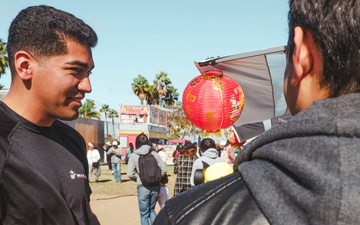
188	159
305	171
184	157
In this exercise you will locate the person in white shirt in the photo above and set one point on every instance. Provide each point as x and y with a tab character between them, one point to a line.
162	154
93	157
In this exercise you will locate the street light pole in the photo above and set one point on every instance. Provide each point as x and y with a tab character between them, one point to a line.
106	125
113	126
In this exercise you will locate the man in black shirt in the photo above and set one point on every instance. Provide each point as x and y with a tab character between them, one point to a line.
43	163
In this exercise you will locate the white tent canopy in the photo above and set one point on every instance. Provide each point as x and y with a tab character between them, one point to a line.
261	76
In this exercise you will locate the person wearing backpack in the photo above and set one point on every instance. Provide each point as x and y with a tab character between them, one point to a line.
146	167
209	156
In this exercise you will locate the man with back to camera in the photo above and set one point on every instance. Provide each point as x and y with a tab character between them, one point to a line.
305	171
209	155
147	195
43	165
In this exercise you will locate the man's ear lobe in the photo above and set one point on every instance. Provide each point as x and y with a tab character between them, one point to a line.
22	65
302	56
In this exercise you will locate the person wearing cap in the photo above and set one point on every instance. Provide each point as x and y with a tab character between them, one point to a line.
116	154
183	167
93	157
209	155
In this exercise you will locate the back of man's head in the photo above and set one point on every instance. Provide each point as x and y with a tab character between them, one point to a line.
335	27
207	143
141	140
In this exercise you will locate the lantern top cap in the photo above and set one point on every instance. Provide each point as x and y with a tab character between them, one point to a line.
212	74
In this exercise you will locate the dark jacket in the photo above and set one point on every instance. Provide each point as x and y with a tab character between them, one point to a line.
205	204
306	171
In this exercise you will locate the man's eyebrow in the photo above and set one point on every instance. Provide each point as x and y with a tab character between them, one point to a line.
79	63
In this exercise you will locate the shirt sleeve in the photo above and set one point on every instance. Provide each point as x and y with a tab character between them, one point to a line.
131	172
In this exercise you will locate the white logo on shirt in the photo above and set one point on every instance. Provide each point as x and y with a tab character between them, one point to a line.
74	175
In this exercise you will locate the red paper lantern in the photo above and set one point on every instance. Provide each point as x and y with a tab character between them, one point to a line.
213	101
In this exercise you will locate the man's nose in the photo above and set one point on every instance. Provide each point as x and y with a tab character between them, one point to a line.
85	85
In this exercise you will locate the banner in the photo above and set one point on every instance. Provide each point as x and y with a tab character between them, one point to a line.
158	116
134	113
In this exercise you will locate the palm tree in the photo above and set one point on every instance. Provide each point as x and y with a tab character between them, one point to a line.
138	85
87	110
162	81
151	93
112	114
3	59
105	109
171	96
157	92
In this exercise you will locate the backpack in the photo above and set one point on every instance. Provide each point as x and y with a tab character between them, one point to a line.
149	170
212	172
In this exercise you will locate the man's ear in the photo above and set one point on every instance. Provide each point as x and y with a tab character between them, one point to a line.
302	56
22	65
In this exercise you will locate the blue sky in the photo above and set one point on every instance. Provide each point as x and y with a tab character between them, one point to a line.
146	37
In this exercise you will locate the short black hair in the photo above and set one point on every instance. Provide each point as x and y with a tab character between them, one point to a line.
335	27
207	143
43	30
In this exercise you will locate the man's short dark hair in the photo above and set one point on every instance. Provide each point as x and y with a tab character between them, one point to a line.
336	32
42	31
207	143
141	140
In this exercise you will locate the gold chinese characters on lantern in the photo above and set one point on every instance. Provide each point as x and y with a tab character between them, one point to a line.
213	101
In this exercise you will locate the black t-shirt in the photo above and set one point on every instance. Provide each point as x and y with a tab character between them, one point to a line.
43	173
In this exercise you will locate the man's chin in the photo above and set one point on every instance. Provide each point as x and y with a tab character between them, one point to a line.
70	116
